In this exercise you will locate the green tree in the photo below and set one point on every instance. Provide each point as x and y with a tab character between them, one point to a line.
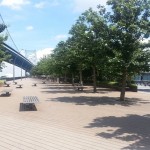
72	63
78	38
3	55
2	27
61	57
129	24
96	41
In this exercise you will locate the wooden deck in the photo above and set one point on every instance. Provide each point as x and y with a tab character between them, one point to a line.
71	120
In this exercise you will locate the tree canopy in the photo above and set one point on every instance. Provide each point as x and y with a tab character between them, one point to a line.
104	45
3	55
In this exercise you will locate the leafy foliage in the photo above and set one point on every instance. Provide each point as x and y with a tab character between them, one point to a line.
3	55
104	45
2	27
129	23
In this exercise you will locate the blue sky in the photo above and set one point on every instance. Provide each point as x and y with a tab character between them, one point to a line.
40	24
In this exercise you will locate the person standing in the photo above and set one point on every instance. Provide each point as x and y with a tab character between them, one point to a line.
141	78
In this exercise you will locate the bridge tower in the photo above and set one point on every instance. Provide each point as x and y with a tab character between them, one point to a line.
30	54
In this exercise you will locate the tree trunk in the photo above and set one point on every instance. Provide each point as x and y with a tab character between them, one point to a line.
65	77
72	79
94	79
123	89
81	81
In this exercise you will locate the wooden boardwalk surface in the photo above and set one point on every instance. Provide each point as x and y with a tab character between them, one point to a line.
66	119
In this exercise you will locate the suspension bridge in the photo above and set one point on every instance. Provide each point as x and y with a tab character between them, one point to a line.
16	58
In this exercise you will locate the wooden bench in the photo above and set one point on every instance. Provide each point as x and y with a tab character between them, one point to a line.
15	82
30	99
34	84
6	92
19	86
78	87
43	82
29	103
7	84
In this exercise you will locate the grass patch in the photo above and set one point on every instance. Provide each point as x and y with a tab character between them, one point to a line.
1	82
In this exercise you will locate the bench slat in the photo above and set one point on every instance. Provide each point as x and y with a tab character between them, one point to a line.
30	99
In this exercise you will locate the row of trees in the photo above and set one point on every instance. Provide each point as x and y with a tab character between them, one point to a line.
108	43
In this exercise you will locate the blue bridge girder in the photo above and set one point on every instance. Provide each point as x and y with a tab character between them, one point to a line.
17	59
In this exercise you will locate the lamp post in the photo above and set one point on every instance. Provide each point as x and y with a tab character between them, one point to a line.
21	69
14	69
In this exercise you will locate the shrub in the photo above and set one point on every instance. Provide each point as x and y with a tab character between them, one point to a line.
117	86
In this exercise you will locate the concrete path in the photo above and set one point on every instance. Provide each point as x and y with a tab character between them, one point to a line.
143	88
73	120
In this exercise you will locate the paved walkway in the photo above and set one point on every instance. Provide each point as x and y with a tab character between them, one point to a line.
143	88
70	120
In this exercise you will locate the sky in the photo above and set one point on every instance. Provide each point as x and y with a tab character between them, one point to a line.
40	24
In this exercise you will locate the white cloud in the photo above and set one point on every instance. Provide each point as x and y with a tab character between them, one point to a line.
40	5
44	52
60	37
55	3
43	4
14	4
29	28
82	5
